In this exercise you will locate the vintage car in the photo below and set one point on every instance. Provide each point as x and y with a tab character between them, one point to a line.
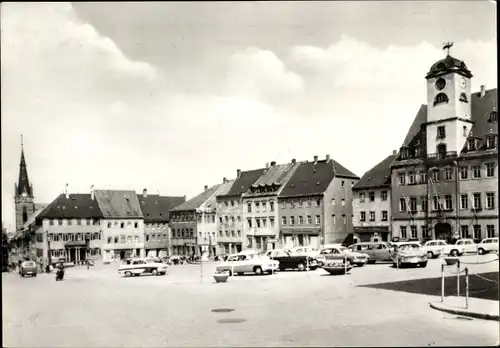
434	248
137	266
487	245
409	254
468	244
28	268
248	262
377	251
305	250
339	252
289	260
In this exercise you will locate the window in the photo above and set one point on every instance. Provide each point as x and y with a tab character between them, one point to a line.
490	170
424	203
384	215
301	220
383	195
271	221
226	218
129	239
232	203
249	222
290	205
435	175
423	177
477	232
213	219
411	178
425	232
116	240
318	219
343	202
283	205
372	196
491	142
464	201
361	198
70	222
220	219
441	132
110	240
292	220
402	178
440	99
232	234
476	172
333	219
239	233
372	216
257	207
249	207
283	220
448	203
413	232
308	203
60	222
342	183
402	232
122	225
271	206
122	239
435	203
477	200
448	174
257	222
471	144
463	98
51	222
363	216
464	171
344	219
232	219
249	242
402	204
464	231
309	219
490	200
413	204
490	231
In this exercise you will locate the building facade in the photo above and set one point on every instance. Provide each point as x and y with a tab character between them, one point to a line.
372	203
315	205
122	224
445	177
155	209
230	212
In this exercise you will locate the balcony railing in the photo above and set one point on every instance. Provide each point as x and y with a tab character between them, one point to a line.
442	155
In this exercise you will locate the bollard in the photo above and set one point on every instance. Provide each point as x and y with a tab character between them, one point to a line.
466	288
458	278
232	268
442	282
345	263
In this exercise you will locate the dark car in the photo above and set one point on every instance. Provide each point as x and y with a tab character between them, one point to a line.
288	260
28	268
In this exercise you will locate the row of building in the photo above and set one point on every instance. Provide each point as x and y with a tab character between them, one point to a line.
442	183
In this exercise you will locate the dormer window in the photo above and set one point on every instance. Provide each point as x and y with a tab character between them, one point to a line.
417	152
403	153
471	144
463	98
440	99
441	132
491	141
493	116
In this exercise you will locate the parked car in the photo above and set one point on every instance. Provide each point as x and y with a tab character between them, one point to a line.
409	254
137	266
28	268
434	248
306	250
289	260
487	245
339	252
377	251
248	262
468	244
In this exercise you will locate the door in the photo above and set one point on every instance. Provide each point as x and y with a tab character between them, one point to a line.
83	254
72	255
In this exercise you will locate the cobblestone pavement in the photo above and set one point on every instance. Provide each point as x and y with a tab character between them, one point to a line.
97	308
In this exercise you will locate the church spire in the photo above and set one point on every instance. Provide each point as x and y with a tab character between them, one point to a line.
23	185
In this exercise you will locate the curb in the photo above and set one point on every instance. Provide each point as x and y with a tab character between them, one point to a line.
465	312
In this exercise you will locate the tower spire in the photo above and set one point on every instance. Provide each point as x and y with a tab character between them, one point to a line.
23	185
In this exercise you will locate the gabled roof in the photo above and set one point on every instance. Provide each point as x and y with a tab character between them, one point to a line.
309	178
118	204
197	201
340	170
419	120
33	217
77	206
274	175
243	182
378	176
155	208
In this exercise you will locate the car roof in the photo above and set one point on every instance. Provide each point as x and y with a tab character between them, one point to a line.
367	243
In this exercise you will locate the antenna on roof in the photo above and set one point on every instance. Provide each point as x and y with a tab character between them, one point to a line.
447	46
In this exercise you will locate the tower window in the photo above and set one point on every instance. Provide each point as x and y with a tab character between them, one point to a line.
25	214
441	151
441	132
441	98
463	98
493	116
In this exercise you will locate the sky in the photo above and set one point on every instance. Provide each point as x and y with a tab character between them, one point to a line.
174	96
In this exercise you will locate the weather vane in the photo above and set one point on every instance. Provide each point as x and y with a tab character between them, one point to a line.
447	46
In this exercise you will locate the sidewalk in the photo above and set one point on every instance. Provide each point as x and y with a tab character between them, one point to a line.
478	308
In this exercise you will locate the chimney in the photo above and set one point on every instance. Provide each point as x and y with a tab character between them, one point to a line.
294	160
206	188
238	173
224	180
394	152
92	195
483	91
185	198
267	165
66	193
315	159
327	158
144	193
273	163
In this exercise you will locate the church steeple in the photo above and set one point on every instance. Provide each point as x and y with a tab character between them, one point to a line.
23	185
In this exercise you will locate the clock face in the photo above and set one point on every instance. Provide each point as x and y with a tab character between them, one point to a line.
440	83
24	194
463	83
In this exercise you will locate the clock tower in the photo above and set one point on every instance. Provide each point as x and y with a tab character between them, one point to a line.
23	199
448	105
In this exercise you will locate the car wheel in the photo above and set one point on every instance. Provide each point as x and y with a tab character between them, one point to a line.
128	274
257	270
480	251
454	252
430	254
301	267
228	272
423	264
360	264
394	265
320	264
240	273
154	272
371	262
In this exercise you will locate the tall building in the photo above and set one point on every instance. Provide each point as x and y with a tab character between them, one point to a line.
372	203
24	199
445	177
230	212
315	204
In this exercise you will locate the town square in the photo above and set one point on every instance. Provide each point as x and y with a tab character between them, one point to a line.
249	174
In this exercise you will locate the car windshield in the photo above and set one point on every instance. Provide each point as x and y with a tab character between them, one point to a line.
28	264
409	247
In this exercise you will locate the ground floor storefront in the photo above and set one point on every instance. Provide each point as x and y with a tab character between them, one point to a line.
371	234
229	248
184	250
157	253
291	238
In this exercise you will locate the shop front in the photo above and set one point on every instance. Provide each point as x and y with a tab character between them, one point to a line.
300	237
371	234
76	251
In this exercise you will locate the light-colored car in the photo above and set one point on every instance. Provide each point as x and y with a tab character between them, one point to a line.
468	244
28	268
377	251
248	262
409	254
305	250
137	266
487	245
337	252
434	248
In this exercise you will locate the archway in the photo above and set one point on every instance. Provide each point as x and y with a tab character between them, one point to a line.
442	231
